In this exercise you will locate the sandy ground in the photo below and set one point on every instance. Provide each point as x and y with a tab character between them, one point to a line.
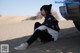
14	31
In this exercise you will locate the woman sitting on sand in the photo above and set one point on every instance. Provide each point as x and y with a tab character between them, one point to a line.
47	31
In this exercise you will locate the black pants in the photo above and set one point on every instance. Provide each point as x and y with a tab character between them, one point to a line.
44	36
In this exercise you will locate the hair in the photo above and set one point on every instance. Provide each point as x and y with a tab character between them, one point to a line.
47	8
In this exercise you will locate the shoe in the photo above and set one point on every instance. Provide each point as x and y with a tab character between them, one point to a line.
22	46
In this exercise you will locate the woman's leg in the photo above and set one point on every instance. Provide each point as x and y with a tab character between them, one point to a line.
33	37
44	37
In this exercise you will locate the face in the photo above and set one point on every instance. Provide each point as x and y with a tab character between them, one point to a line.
43	13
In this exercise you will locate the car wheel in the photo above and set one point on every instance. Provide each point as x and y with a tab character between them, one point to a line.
77	24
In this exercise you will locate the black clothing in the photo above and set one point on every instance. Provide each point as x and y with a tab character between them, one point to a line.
51	22
42	35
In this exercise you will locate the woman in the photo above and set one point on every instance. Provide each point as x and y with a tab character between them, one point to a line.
47	31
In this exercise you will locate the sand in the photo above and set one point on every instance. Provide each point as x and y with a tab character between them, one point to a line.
13	31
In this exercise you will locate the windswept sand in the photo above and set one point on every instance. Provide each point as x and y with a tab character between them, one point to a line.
14	31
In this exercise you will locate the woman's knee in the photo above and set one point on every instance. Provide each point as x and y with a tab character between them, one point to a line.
37	24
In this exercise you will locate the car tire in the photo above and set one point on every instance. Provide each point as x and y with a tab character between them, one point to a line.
77	25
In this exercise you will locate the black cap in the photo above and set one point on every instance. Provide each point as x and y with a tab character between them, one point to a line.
46	7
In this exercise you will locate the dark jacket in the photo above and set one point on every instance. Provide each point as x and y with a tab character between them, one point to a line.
51	22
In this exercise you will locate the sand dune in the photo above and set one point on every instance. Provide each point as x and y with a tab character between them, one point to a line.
13	30
11	19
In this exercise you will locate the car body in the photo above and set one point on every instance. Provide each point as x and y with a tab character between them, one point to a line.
71	11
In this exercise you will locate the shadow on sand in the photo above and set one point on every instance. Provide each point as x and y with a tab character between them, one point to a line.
68	42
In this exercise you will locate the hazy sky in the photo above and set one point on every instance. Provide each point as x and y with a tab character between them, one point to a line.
24	7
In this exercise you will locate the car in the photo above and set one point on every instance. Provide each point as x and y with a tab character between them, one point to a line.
71	11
